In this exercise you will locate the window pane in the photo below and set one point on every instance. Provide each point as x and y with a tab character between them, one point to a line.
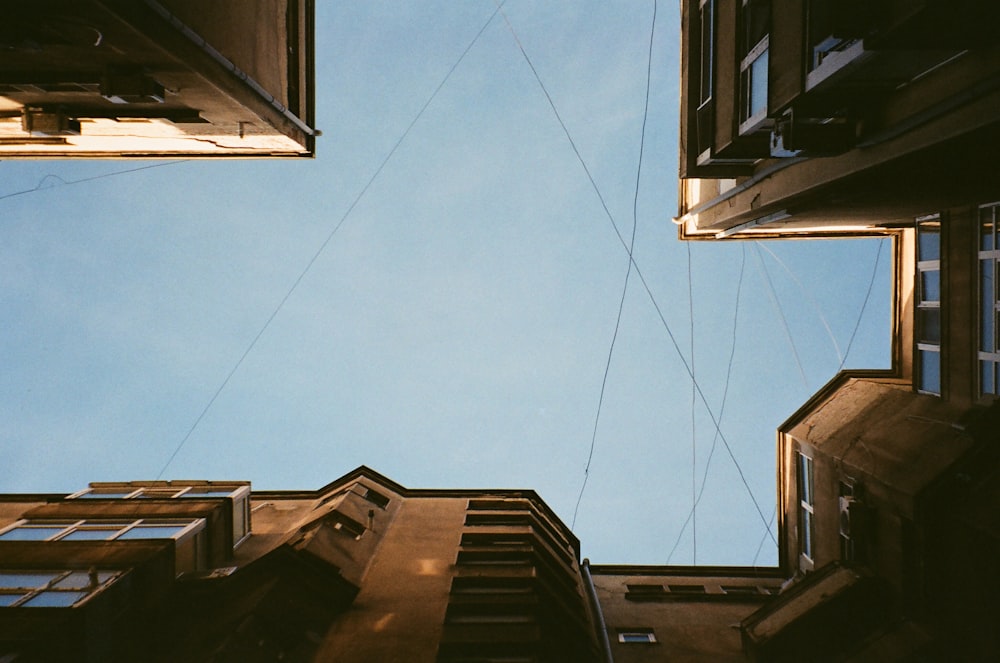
805	479
988	377
930	371
31	533
707	47
929	240
929	325
208	493
54	599
930	286
805	533
986	305
986	241
105	496
152	532
90	534
82	580
758	85
9	599
9	580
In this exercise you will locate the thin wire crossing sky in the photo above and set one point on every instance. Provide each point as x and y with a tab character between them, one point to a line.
435	295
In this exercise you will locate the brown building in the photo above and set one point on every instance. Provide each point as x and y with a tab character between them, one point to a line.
360	570
805	117
156	78
678	614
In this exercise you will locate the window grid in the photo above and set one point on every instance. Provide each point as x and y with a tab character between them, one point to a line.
806	508
756	21
155	492
989	301
927	326
51	589
97	530
706	72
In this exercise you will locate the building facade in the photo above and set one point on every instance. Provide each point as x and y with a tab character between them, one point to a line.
360	570
807	117
157	78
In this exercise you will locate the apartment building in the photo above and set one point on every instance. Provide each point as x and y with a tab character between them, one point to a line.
157	79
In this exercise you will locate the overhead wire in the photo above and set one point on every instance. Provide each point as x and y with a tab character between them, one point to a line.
63	182
326	241
864	304
722	407
781	314
809	298
628	271
694	432
638	272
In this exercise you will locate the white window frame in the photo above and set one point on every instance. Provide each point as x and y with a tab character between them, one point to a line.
805	481
637	636
988	352
751	122
922	346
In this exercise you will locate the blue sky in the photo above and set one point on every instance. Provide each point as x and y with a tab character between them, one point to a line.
454	332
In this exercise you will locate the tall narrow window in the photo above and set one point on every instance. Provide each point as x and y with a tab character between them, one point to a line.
927	327
989	301
706	71
705	115
756	26
806	529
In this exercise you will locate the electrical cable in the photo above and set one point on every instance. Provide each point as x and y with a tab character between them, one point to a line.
864	304
642	279
760	546
326	242
722	407
809	298
62	182
694	434
781	314
628	271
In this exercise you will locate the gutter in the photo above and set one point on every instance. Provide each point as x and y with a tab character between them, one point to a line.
199	41
602	627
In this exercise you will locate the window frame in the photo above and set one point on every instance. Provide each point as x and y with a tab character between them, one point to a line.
751	54
805	480
988	349
191	526
922	347
637	636
28	593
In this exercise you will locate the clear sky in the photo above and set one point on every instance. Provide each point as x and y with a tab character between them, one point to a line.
454	331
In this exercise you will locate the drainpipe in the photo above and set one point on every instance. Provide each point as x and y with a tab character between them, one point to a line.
602	628
228	64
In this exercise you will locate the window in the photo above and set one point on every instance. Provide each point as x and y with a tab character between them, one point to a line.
378	499
756	25
806	529
687	589
927	327
989	301
237	492
848	546
100	530
637	636
826	38
706	71
118	491
51	589
346	524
